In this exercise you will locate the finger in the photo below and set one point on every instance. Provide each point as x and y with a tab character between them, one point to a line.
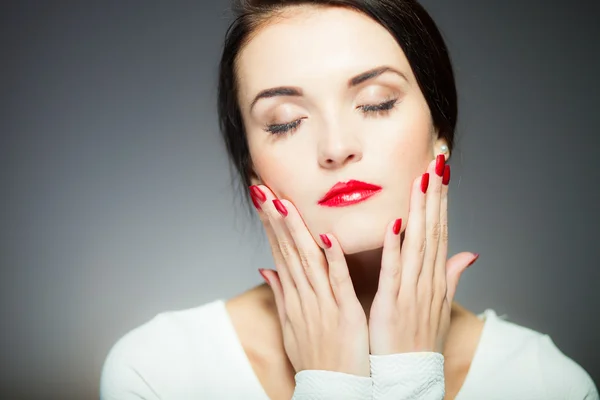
339	276
391	262
276	213
432	222
413	248
274	282
439	272
259	197
454	269
312	259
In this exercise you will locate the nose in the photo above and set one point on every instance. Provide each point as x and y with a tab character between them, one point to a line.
339	148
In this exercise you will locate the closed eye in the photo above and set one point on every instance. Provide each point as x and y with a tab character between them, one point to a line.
378	109
367	109
279	129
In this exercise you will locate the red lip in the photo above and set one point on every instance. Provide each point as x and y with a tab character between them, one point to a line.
347	193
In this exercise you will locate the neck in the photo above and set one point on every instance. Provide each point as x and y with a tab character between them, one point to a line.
364	270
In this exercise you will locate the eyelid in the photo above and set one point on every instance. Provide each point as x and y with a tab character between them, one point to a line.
377	91
379	106
367	109
376	108
281	113
282	128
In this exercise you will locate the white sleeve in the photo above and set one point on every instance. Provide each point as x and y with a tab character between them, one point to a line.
408	376
331	385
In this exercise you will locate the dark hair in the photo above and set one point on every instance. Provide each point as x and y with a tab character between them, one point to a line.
407	21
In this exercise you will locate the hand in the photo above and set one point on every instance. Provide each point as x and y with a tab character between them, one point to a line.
324	326
411	309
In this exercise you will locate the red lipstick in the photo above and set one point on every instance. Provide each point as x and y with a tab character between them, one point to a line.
343	194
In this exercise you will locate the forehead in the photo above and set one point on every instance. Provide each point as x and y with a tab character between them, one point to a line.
315	46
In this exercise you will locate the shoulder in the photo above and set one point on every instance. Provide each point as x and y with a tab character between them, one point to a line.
529	364
170	351
562	375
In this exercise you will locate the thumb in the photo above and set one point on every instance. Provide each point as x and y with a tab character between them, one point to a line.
455	266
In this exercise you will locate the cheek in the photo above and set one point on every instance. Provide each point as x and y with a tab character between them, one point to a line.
287	166
406	147
285	175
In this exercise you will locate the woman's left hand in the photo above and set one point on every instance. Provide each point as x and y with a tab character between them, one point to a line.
411	310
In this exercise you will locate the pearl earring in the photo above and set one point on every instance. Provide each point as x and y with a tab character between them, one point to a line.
444	148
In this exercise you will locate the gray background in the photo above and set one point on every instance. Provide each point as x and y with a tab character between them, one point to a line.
116	201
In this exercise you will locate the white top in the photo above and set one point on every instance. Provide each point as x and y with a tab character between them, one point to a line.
196	354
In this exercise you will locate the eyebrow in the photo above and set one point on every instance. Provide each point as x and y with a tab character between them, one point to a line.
355	81
373	73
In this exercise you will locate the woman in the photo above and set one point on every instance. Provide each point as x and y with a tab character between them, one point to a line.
339	116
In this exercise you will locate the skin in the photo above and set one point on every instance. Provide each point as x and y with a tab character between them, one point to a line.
254	317
336	141
317	52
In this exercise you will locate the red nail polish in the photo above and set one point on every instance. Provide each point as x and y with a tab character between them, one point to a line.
258	194
425	182
280	207
474	259
440	161
325	240
446	178
397	226
262	273
255	202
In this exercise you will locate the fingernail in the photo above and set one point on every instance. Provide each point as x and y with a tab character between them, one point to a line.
440	161
325	240
280	207
262	273
258	194
425	182
474	259
446	178
397	226
255	202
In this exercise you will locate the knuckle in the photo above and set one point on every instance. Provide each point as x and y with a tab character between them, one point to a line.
392	272
338	278
444	233
308	258
422	247
436	231
286	248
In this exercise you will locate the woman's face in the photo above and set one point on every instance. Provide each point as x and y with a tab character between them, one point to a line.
347	107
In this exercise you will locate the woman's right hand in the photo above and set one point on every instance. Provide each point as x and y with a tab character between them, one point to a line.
324	325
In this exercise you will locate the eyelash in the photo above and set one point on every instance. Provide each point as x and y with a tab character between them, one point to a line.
368	110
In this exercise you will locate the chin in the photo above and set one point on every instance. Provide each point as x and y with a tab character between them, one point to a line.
359	232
